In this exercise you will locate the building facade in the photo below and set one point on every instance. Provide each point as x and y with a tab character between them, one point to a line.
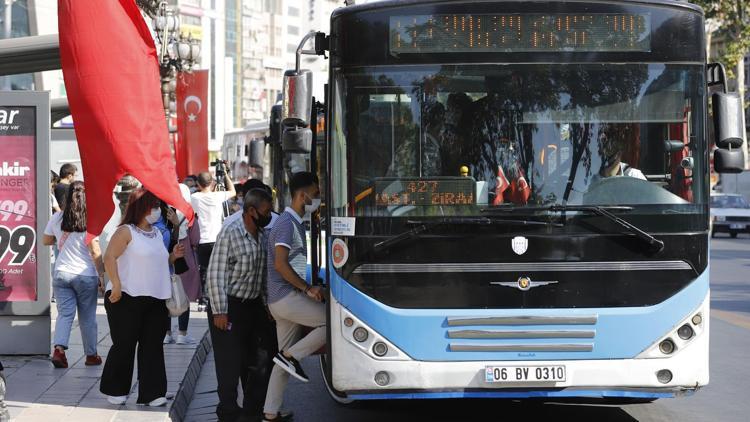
246	44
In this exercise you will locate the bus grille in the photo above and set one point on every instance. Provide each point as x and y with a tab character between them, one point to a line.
498	334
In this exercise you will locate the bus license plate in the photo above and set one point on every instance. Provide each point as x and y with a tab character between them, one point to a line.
525	373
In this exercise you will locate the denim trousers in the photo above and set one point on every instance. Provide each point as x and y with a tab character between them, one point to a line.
76	292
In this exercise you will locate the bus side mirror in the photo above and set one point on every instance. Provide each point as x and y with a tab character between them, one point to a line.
297	140
729	131
297	101
727	110
729	161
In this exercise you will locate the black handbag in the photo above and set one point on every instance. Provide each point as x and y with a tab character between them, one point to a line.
180	264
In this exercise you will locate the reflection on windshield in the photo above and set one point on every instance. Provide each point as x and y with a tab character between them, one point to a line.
522	134
728	201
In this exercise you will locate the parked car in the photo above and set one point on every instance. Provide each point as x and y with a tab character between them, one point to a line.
730	213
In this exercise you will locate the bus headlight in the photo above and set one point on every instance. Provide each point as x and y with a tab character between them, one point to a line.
685	332
697	319
380	349
667	347
360	334
720	218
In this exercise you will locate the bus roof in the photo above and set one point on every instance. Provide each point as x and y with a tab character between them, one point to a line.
259	126
382	4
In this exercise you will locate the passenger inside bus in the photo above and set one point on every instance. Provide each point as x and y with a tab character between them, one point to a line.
422	160
494	151
453	138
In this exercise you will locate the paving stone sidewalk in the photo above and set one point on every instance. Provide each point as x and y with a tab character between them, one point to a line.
39	392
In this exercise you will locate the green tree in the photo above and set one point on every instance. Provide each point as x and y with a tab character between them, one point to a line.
733	18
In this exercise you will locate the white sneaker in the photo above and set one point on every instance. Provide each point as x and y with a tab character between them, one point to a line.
161	401
117	400
186	339
168	339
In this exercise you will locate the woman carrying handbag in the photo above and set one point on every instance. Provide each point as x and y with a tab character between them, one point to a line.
138	266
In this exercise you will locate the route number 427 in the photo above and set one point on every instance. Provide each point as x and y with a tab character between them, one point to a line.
20	242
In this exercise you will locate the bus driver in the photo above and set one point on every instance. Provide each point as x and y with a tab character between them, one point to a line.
612	148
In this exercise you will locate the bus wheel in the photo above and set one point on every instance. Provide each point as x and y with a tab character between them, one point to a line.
733	234
337	398
713	233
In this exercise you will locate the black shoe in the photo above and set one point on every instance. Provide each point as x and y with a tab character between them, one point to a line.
292	366
281	417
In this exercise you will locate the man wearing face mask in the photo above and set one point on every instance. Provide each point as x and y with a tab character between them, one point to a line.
241	329
249	185
292	302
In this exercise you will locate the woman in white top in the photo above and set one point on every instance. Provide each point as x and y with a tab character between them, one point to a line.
138	268
75	277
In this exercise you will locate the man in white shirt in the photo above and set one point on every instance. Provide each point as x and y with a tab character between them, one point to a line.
209	208
612	148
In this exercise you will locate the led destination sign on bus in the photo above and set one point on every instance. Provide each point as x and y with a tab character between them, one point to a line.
425	192
484	33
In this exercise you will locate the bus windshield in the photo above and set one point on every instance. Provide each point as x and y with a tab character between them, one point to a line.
459	139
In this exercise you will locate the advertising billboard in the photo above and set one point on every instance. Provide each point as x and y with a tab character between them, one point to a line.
24	211
18	273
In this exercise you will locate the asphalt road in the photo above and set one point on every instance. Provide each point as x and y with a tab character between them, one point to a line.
725	399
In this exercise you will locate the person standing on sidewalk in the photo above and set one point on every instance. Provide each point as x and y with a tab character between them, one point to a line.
138	266
241	328
188	237
292	302
76	277
209	207
68	173
249	185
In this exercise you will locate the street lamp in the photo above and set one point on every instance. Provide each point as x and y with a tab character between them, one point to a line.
176	52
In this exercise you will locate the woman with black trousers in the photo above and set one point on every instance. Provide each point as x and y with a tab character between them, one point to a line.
138	267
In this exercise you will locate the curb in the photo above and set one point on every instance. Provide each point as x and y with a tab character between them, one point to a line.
181	403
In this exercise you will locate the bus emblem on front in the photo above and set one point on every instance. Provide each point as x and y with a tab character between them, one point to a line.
519	244
523	284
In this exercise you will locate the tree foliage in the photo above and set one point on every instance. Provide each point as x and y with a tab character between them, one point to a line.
733	17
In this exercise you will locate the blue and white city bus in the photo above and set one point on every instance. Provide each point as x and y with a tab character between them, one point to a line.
516	197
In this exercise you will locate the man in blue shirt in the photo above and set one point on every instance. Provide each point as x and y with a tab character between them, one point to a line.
292	302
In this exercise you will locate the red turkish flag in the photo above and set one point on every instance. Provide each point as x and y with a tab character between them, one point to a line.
191	149
112	78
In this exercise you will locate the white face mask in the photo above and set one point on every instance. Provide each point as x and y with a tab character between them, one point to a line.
154	216
311	208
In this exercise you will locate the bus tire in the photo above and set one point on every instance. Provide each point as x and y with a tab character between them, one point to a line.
713	233
342	401
733	235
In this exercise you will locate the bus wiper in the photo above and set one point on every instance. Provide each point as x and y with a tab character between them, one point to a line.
421	226
655	245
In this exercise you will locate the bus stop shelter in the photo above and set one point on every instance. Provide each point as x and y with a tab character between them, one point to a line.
25	142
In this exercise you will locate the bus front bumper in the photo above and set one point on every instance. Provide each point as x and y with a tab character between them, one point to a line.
354	372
